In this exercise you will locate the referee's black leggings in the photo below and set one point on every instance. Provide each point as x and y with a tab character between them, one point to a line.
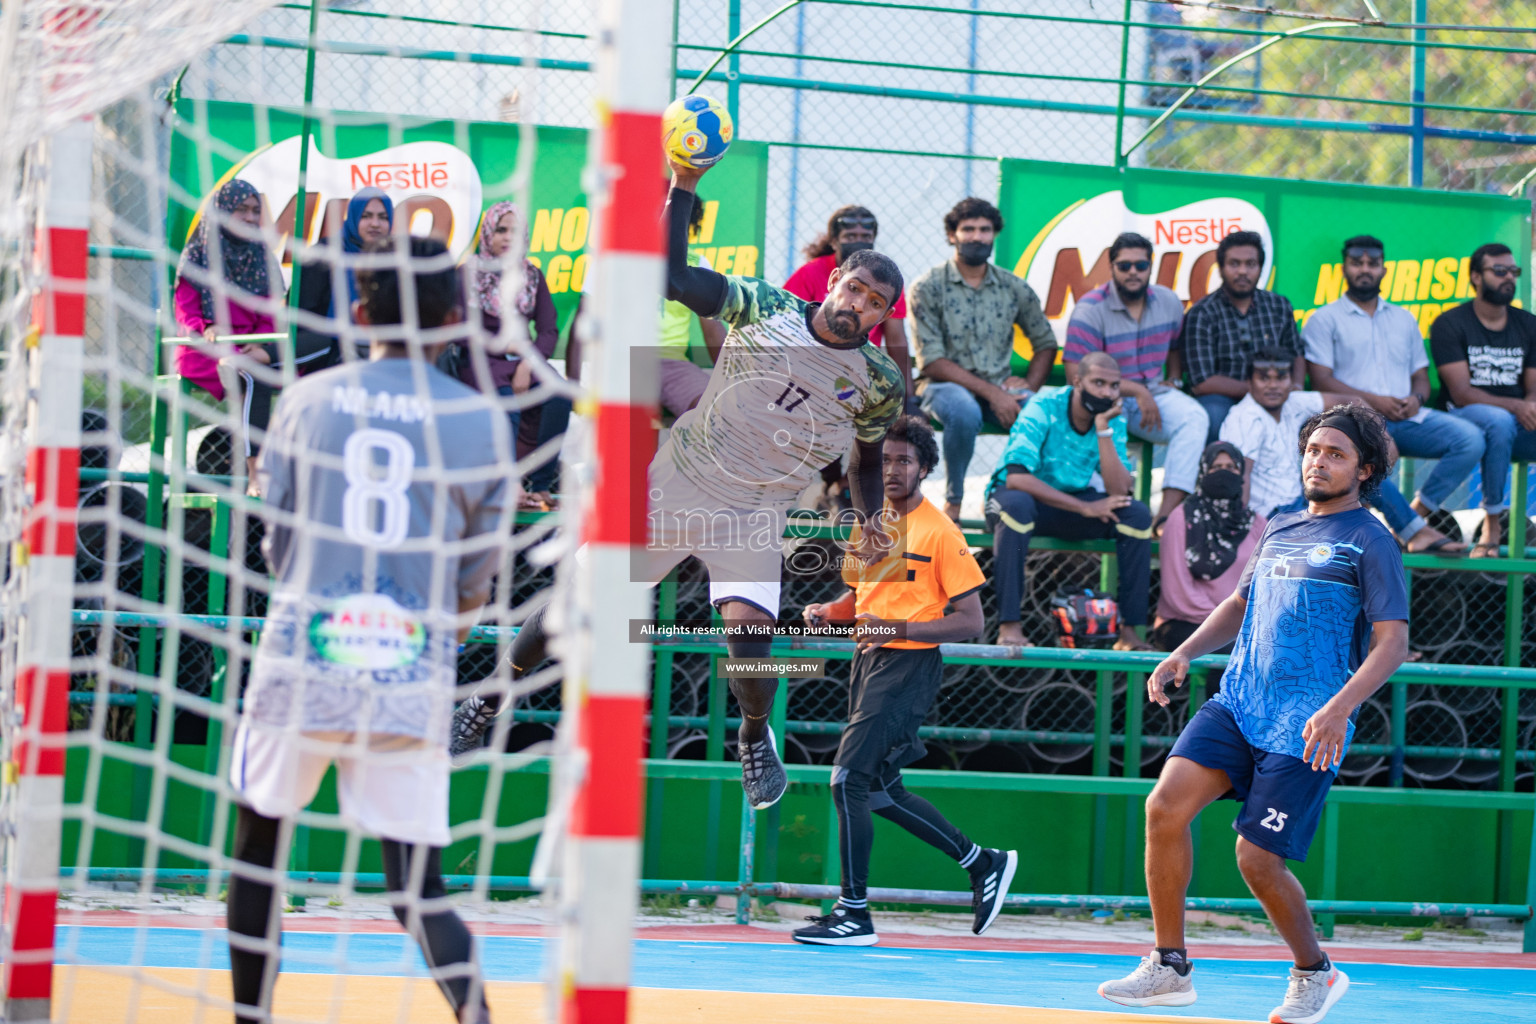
256	925
855	794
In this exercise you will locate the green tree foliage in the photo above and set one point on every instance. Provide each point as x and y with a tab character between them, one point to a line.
1346	77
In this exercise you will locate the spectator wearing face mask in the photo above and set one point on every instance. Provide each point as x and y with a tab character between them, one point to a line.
1206	543
1044	487
963	314
850	229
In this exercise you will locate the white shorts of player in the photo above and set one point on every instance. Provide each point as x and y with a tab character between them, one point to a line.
393	787
743	549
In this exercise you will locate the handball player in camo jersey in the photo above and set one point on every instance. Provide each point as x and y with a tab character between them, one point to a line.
796	386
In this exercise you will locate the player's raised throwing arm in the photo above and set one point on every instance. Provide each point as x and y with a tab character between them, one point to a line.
698	288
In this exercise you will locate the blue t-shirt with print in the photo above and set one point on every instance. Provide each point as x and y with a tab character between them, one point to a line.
1314	586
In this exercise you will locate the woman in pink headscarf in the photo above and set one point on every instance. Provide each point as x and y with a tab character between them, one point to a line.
511	374
228	283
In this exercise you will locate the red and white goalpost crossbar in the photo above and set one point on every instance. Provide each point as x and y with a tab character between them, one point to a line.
606	680
56	356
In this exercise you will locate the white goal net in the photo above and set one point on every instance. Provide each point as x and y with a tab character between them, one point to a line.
203	208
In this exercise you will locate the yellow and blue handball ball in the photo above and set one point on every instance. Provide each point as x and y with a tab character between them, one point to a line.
696	130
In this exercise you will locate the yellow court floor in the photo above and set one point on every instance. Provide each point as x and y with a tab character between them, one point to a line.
174	995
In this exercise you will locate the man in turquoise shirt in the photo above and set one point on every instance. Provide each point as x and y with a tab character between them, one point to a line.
1043	485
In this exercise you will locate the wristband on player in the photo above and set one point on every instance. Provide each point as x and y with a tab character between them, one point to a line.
1106	432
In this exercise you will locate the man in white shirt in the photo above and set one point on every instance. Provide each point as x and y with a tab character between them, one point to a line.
1265	427
1367	349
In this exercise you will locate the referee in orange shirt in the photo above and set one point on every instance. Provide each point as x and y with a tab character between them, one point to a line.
893	684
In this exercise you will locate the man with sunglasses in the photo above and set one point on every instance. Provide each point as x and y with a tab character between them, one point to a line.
1362	346
1135	321
1485	351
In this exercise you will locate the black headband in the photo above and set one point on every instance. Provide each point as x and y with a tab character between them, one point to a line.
1346	425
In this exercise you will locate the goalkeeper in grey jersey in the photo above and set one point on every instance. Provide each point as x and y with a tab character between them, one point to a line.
390	507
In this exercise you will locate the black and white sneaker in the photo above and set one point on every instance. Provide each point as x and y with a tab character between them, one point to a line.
762	773
989	884
470	720
843	927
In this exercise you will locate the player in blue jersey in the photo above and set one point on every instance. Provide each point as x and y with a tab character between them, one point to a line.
1320	619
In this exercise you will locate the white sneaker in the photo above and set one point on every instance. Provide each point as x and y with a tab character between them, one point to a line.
1310	995
1152	984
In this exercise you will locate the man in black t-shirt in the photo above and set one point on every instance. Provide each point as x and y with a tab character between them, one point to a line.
1485	351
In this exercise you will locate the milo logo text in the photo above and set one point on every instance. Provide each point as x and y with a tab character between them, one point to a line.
1070	256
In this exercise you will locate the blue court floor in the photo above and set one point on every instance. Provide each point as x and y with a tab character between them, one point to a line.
1229	989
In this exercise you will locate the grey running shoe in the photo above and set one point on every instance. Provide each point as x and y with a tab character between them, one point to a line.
1310	995
470	720
762	773
990	885
1151	984
842	927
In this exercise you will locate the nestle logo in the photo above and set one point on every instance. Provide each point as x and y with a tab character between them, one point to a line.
1195	230
400	175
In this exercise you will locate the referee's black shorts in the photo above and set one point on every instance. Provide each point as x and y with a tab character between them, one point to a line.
890	692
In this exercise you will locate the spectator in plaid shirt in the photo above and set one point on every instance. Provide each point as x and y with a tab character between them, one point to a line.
1223	330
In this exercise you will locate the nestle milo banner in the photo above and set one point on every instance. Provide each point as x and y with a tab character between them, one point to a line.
1061	218
441	175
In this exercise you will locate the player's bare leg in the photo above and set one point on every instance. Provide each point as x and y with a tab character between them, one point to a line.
762	773
1284	900
1165	977
1315	983
1183	790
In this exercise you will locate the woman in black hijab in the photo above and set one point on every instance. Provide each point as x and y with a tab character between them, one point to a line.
1205	545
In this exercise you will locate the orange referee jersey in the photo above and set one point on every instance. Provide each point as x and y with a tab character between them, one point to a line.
930	567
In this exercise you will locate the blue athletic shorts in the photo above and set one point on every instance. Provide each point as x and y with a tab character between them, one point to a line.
1282	796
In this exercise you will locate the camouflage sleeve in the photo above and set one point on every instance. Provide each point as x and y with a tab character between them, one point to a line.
885	398
750	299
